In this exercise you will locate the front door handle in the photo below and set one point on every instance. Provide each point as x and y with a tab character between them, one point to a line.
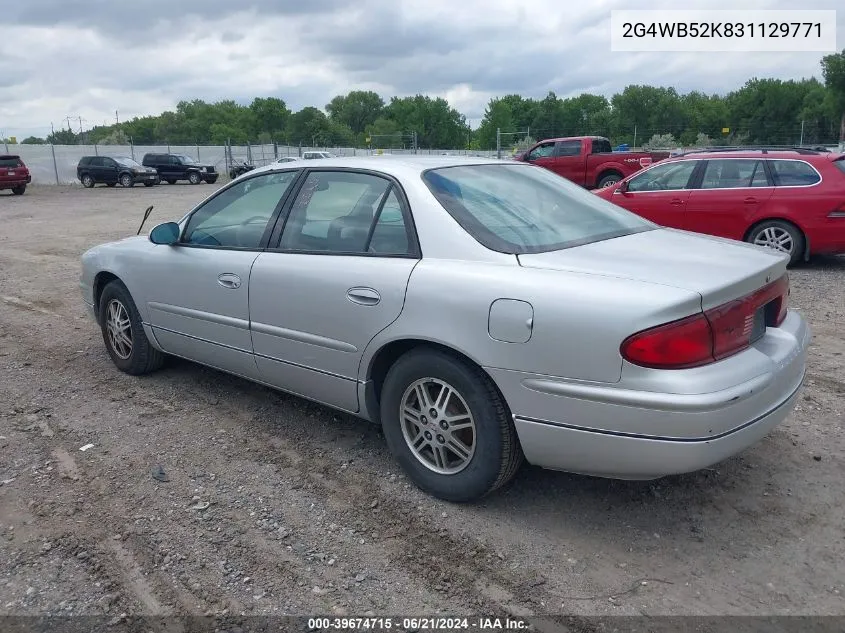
363	296
676	202
229	280
751	200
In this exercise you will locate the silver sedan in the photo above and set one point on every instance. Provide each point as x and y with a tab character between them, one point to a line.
484	312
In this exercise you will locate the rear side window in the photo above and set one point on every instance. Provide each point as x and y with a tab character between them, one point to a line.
840	164
794	173
569	148
10	161
733	173
601	146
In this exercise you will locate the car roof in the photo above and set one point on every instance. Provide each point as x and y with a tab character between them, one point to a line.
392	164
755	153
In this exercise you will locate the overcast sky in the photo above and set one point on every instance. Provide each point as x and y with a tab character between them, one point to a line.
89	58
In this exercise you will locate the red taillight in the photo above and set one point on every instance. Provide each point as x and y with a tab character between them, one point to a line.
710	336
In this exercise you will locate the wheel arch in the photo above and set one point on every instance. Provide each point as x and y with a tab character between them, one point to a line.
608	171
805	255
101	280
387	355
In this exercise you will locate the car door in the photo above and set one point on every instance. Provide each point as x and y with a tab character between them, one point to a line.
658	194
543	155
729	195
109	170
569	161
198	293
96	169
336	278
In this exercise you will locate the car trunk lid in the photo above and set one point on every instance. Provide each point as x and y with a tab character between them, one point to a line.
719	269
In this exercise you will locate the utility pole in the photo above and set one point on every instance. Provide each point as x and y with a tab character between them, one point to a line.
116	119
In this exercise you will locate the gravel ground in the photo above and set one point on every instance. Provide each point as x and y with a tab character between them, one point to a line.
278	506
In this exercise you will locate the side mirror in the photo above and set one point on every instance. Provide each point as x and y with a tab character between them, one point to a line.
623	187
167	233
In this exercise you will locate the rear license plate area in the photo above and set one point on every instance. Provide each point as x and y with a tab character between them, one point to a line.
758	328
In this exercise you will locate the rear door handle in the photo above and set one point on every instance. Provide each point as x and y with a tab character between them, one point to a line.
363	296
229	280
751	200
676	202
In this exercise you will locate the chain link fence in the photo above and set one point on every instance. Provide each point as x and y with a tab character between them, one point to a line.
56	164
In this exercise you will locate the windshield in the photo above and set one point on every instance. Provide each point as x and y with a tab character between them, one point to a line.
526	209
125	161
186	160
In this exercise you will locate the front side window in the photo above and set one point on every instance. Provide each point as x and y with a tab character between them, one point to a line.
544	150
525	209
569	148
794	173
664	177
109	162
334	212
185	160
238	216
734	173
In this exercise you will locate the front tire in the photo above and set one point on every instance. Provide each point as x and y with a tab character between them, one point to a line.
780	236
126	180
19	190
448	427
149	184
124	336
194	178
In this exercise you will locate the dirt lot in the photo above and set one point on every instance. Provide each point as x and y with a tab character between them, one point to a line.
308	513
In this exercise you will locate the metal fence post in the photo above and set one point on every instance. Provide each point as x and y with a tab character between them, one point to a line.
132	148
262	155
499	142
198	153
248	153
55	166
96	153
275	150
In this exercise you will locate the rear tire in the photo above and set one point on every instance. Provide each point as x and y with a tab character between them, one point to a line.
149	184
87	181
473	420
124	336
194	178
781	236
19	190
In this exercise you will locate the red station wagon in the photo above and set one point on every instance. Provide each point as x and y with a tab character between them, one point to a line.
790	200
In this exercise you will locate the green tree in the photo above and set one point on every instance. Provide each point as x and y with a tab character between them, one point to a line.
33	140
270	115
356	110
833	70
62	137
310	127
498	115
436	123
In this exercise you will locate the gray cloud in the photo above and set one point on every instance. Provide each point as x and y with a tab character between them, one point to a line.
95	56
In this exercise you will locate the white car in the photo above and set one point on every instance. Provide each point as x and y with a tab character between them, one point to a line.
313	155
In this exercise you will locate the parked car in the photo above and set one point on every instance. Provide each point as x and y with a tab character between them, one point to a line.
287	159
482	312
239	167
588	161
789	200
313	155
14	174
112	170
174	167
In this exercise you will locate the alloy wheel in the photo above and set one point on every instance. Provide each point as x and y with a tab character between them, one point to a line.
438	426
119	329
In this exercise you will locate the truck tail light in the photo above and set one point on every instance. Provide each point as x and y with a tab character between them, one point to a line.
704	338
646	161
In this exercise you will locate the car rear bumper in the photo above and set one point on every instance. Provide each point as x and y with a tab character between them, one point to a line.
15	182
609	431
140	178
210	178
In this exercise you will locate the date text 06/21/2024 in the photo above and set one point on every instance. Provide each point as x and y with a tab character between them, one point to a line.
434	624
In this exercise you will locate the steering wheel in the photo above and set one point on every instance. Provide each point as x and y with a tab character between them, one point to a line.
246	222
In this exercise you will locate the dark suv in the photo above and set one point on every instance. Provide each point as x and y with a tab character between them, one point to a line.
112	170
173	167
14	174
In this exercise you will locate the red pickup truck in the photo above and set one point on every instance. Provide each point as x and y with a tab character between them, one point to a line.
588	160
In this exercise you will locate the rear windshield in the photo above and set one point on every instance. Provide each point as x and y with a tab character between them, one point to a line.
10	161
527	209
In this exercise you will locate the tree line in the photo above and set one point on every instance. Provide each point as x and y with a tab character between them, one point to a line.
770	111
